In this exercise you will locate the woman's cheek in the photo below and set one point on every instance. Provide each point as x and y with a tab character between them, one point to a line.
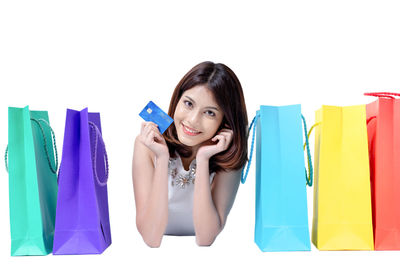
181	110
212	129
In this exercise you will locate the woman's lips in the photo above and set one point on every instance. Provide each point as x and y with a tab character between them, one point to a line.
189	131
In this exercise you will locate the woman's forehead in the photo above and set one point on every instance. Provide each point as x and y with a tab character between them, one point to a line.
201	95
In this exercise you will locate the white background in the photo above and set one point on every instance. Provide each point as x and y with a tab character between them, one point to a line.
115	56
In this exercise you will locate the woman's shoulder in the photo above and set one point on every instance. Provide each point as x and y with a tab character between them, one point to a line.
229	174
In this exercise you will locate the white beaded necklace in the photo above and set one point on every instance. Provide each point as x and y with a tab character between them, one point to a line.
182	180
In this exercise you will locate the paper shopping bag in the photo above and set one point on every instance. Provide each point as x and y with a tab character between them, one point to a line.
383	117
82	219
342	198
281	222
32	168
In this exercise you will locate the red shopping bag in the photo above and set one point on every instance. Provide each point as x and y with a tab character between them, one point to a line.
383	119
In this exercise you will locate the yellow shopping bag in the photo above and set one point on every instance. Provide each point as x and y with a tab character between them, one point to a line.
342	198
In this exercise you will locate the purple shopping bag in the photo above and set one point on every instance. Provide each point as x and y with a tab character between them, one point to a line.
82	220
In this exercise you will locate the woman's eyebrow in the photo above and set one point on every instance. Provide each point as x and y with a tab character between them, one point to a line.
213	108
190	99
194	102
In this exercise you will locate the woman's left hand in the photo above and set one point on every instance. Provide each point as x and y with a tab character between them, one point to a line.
223	139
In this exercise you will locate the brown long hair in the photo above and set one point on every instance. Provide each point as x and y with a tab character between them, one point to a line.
226	88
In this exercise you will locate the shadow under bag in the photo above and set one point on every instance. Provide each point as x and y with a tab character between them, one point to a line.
82	219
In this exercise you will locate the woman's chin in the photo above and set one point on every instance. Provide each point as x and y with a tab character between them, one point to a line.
188	141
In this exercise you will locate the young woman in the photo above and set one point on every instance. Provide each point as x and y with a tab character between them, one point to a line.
185	181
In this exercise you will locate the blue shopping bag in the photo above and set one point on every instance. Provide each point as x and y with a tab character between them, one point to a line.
281	222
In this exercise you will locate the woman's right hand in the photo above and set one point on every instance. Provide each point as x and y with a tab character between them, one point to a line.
151	137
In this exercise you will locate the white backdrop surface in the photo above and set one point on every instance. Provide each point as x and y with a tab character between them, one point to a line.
115	56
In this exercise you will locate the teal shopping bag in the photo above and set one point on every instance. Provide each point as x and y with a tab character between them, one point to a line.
32	168
281	222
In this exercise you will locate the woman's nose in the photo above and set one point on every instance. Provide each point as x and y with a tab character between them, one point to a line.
194	118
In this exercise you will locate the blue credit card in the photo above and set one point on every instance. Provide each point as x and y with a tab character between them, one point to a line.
153	113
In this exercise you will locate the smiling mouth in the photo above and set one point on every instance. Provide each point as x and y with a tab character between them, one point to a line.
189	131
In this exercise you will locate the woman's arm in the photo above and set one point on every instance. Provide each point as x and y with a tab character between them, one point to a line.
212	203
150	183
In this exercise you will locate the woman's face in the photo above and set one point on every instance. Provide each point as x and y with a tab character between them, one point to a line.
197	116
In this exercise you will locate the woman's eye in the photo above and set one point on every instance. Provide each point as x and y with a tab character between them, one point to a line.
188	103
210	113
